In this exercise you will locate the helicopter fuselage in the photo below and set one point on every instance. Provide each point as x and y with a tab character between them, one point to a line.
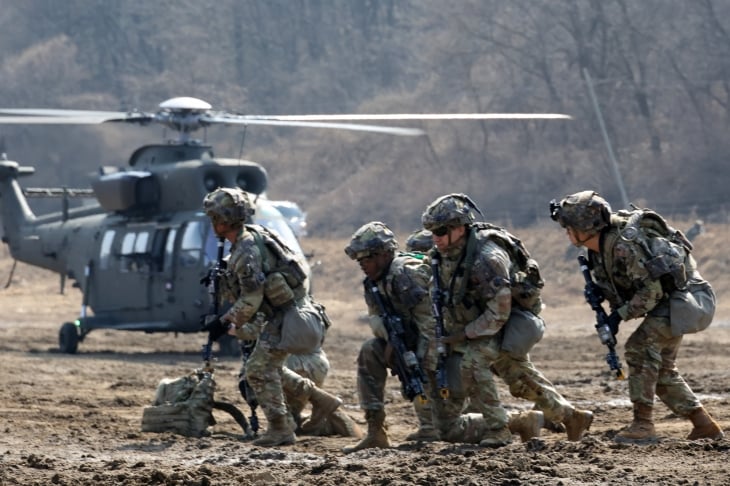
139	253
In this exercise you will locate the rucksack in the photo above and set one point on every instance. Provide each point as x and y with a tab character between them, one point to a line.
667	247
287	262
692	301
526	282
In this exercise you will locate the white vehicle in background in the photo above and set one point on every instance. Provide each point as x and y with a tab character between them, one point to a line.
295	217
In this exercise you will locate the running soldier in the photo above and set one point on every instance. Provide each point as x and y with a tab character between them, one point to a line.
490	316
402	281
621	261
270	306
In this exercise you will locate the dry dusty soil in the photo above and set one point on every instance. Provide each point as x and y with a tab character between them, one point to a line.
75	419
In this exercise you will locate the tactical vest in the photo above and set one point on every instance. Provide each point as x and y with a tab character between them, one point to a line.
525	279
285	275
667	248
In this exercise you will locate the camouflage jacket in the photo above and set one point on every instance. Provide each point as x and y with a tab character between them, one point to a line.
619	270
404	288
486	299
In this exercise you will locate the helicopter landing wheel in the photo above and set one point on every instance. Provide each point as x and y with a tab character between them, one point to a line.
68	338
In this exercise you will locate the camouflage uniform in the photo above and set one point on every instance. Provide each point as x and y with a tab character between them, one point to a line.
618	268
258	318
480	309
404	288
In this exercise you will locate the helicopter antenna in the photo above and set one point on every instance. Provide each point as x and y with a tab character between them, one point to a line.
243	138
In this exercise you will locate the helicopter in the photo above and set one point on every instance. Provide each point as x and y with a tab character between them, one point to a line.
138	252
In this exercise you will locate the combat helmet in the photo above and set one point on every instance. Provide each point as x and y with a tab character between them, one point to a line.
228	205
584	211
370	238
451	210
420	241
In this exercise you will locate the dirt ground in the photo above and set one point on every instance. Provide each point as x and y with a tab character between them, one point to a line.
75	419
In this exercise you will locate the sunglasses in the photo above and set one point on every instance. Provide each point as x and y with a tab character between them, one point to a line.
440	231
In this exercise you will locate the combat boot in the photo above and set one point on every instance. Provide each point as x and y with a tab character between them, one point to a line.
704	426
426	430
496	437
424	433
342	424
279	432
526	424
323	404
376	437
577	423
641	429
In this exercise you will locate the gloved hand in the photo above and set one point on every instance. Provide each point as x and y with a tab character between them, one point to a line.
614	319
593	294
214	325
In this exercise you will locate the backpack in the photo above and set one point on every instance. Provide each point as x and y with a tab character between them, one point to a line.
691	299
305	323
668	248
525	280
287	262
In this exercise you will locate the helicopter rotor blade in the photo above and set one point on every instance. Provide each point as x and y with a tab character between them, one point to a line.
61	112
426	116
34	116
271	121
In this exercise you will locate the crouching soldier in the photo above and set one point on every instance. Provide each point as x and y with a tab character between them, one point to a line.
271	306
489	289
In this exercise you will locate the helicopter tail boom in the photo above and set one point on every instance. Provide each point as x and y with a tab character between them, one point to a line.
14	207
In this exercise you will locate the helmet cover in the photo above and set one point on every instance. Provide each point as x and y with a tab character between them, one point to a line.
370	238
451	210
228	205
584	211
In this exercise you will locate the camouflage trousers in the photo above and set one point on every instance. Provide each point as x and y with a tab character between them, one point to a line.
525	381
372	373
270	379
312	366
651	353
469	376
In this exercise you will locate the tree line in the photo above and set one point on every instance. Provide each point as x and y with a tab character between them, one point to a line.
660	71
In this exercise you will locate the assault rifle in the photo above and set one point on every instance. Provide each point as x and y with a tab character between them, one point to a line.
216	329
214	326
405	364
594	299
442	380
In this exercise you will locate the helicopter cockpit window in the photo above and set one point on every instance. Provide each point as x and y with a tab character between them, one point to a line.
170	248
106	249
191	246
134	256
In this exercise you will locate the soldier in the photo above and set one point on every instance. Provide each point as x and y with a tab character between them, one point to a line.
620	266
490	318
402	280
270	306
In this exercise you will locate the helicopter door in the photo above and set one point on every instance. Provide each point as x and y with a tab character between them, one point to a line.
162	272
123	274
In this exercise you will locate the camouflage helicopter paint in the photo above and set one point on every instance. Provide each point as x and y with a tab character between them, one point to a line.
138	254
